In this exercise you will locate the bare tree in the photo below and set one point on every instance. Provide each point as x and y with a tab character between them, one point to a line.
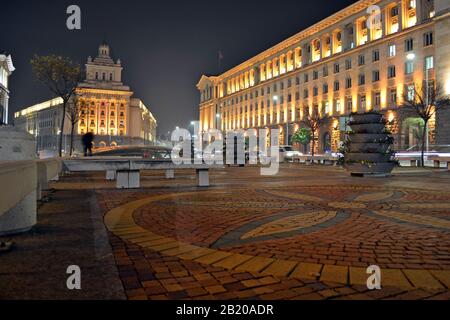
73	114
425	100
61	76
314	121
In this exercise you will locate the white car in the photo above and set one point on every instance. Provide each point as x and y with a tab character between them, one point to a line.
287	153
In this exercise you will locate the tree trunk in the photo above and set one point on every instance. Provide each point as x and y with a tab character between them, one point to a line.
61	135
424	135
313	146
71	138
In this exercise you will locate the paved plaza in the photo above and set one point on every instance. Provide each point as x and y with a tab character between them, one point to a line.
309	232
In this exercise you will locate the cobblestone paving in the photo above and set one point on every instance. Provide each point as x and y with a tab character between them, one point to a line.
291	238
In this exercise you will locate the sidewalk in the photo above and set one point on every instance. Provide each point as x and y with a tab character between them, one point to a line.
70	231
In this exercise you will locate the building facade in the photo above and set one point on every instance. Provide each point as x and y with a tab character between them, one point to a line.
105	106
365	57
6	69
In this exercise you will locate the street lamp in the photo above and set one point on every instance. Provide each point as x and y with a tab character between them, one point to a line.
410	56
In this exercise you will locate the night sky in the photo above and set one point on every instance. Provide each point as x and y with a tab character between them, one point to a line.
165	46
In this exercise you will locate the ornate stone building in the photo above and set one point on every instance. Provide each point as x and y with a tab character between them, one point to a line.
6	68
364	57
107	109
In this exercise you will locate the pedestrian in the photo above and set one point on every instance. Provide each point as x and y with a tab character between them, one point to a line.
88	143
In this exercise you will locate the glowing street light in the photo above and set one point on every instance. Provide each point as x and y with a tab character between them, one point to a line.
410	56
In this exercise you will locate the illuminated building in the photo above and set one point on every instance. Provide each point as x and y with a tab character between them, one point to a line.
364	57
6	68
107	109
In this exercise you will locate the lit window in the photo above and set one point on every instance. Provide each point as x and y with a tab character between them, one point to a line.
429	63
409	67
392	50
410	93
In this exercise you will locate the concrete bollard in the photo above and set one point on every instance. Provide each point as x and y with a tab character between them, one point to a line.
18	207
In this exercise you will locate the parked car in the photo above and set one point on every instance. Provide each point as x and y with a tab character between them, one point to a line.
287	153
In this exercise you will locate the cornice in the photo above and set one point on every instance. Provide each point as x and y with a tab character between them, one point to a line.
308	32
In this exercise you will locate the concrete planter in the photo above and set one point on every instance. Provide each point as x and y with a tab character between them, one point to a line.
368	146
368	138
366	118
368	157
377	169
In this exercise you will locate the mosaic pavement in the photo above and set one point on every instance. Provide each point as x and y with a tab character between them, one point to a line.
323	234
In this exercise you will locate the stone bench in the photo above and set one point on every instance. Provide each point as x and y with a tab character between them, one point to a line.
47	170
126	171
437	160
413	160
319	159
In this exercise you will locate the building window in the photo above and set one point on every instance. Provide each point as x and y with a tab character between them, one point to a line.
361	60
348	83
348	64
362	79
336	86
376	55
362	102
327	107
392	50
325	88
429	63
394	12
428	39
391	72
305	94
409	67
349	104
297	81
409	44
325	71
377	99
315	91
375	76
393	96
110	77
337	104
315	75
306	77
336	68
410	92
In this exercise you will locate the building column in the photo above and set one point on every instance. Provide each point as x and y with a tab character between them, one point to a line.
305	54
419	11
383	23
5	107
401	11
